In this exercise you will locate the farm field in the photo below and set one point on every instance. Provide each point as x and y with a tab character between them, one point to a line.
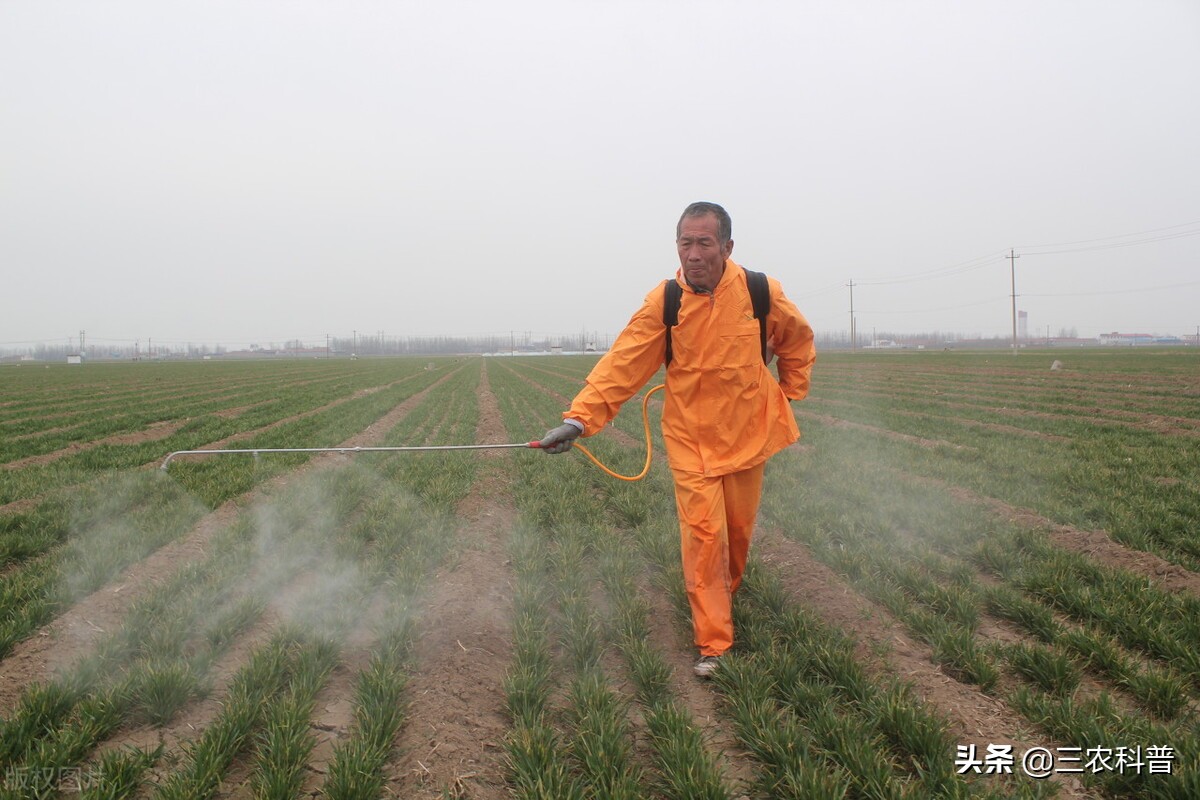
973	577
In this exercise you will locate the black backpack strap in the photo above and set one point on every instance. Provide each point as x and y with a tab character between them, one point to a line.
672	295
760	299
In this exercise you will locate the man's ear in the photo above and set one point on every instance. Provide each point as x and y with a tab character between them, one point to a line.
729	248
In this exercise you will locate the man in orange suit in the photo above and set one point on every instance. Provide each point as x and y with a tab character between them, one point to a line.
724	414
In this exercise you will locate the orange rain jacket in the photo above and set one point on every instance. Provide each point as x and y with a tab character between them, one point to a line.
724	411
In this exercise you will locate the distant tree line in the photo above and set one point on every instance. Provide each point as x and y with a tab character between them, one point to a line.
515	342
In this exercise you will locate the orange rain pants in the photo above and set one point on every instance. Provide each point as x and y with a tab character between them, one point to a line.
716	522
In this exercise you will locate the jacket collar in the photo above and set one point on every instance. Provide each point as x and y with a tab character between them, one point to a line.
727	277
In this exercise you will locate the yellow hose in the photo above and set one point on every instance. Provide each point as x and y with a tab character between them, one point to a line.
649	450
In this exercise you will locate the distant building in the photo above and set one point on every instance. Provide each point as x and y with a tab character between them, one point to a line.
1125	339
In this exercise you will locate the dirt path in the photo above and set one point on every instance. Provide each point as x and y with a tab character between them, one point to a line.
28	503
1092	414
189	723
203	391
838	422
243	435
975	717
1095	544
698	696
974	423
452	743
153	433
333	710
60	642
20	506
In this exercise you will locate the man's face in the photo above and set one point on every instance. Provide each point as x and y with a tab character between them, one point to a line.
701	254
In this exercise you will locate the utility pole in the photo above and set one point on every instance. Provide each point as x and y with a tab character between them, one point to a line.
327	345
853	333
354	347
1012	266
81	333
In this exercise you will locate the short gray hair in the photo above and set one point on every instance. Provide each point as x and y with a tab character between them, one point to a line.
702	209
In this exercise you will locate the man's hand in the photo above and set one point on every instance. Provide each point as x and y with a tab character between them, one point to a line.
559	440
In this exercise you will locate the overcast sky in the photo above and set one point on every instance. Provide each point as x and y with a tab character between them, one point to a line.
261	171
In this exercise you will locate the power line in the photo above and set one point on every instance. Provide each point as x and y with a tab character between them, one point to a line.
1116	245
981	262
941	272
833	287
1118	236
989	301
1119	291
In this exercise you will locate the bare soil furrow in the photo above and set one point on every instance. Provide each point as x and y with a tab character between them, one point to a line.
21	506
883	647
673	632
244	435
333	709
452	743
838	422
154	433
193	719
28	503
1093	415
203	391
991	426
1095	544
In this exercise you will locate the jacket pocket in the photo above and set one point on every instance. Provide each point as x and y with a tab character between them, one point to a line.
742	349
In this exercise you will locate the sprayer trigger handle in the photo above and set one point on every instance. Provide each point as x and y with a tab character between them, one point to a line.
536	445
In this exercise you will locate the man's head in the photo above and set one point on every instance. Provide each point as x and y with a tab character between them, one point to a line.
703	237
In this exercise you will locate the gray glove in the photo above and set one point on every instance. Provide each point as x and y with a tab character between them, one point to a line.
559	440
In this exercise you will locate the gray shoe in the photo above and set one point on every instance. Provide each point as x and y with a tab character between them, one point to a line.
706	666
